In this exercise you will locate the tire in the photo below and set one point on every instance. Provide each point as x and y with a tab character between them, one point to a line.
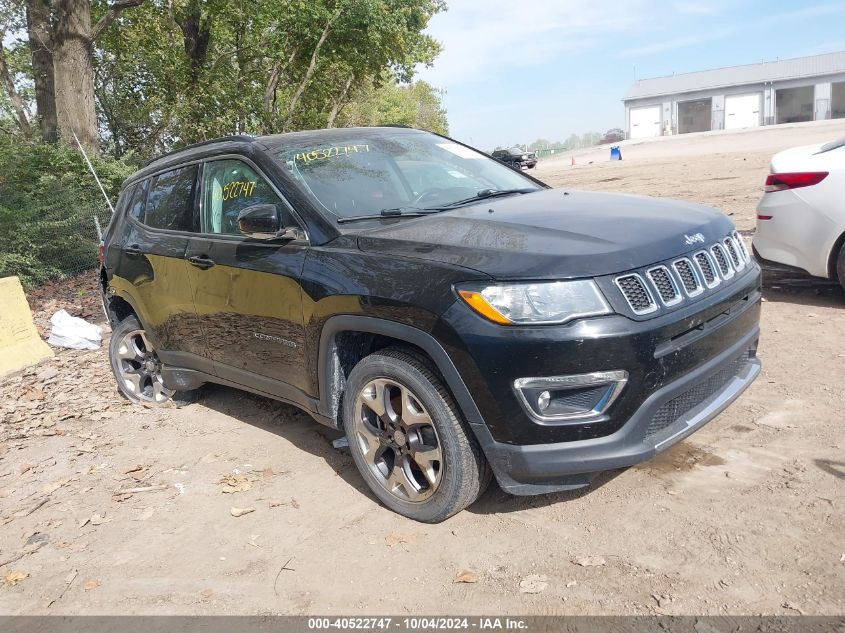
422	462
840	266
136	367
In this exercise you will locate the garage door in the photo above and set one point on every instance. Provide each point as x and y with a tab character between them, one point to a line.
742	111
645	122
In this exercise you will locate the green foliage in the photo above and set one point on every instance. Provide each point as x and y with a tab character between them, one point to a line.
416	105
48	200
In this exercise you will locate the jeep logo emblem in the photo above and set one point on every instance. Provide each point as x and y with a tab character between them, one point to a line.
695	238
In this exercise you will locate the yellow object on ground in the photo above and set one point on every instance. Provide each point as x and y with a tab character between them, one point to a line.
20	344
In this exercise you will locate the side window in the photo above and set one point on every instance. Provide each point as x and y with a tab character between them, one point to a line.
230	186
170	201
135	207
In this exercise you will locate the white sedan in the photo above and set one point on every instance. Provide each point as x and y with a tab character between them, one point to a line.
801	217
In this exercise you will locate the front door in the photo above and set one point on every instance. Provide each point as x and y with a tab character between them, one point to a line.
246	291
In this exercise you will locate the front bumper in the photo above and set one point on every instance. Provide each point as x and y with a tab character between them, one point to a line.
683	368
665	418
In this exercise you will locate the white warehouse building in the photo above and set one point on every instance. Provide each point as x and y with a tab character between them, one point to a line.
783	91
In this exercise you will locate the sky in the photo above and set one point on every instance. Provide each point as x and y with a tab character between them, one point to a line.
514	71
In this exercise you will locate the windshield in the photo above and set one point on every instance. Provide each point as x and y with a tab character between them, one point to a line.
366	174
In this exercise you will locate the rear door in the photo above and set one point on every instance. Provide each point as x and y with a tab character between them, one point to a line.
151	269
247	292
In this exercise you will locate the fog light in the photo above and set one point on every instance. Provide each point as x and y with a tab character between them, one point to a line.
570	399
543	400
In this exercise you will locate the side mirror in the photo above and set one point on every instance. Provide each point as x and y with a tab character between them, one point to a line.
261	222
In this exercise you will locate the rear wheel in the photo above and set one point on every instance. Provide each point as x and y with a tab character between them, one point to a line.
408	440
137	368
840	266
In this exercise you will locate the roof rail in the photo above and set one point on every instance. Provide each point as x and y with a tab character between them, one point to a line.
237	137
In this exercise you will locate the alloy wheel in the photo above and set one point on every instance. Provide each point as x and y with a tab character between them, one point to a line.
398	440
140	368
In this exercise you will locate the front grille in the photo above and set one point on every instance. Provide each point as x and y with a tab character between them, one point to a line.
665	285
679	406
688	276
722	261
743	251
636	293
668	284
733	251
706	268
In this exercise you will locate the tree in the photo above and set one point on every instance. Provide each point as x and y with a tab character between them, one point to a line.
9	21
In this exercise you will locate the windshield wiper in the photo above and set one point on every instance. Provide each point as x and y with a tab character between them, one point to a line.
485	194
398	212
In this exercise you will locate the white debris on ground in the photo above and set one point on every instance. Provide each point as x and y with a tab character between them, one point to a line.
73	333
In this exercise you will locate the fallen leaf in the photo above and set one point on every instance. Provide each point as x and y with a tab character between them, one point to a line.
14	577
394	538
533	584
275	503
206	593
239	512
25	467
91	584
134	469
467	576
235	483
51	488
590	561
268	472
99	519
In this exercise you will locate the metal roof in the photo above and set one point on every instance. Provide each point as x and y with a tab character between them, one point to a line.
782	69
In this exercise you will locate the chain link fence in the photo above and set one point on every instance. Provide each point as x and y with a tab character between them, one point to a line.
58	244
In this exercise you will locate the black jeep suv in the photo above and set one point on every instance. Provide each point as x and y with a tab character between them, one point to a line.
516	158
457	319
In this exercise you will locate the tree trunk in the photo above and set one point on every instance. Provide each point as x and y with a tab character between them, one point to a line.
273	80
312	65
196	34
41	47
74	75
339	102
11	91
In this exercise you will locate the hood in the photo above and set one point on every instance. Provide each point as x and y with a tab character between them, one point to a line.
553	234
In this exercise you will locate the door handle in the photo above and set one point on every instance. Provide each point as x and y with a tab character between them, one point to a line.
134	249
201	262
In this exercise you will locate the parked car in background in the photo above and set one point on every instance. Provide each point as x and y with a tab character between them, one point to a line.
612	136
456	319
801	217
516	158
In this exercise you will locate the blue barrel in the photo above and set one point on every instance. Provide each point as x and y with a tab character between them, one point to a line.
615	154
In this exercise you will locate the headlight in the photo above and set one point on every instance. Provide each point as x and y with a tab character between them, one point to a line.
524	156
536	303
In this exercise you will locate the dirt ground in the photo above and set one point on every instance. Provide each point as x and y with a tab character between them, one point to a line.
744	517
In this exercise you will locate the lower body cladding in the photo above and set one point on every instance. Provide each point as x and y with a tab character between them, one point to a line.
659	382
667	416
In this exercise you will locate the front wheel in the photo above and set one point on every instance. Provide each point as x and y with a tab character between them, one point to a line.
408	440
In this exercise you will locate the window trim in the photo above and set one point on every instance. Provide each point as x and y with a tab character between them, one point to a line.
147	227
242	238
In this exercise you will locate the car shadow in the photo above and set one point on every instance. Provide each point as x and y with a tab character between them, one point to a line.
288	422
837	469
497	501
306	434
811	294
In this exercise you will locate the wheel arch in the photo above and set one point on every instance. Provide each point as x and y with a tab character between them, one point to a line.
345	339
833	258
